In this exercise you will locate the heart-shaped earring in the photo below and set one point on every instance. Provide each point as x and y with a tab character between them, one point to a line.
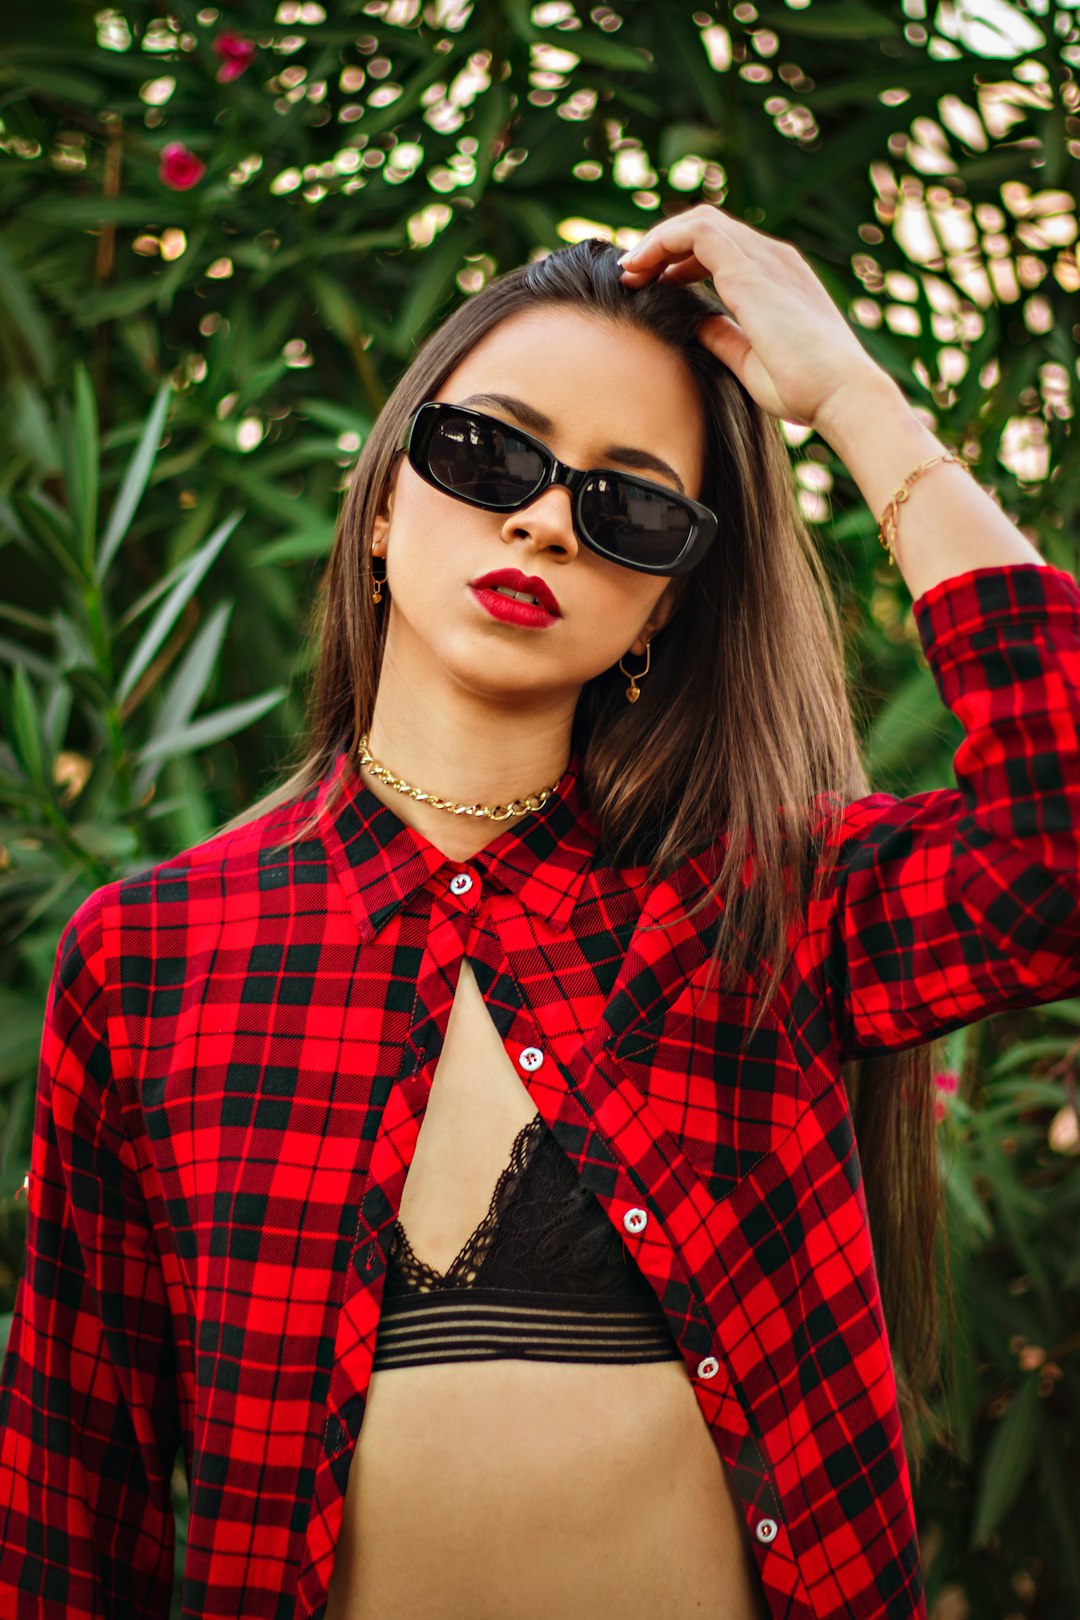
633	691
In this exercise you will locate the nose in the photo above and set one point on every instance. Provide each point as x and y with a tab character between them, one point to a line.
547	522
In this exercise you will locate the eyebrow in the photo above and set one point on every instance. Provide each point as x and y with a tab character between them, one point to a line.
537	422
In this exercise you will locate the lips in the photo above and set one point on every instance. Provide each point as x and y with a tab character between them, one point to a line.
515	580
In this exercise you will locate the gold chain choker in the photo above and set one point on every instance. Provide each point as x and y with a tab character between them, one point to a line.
493	812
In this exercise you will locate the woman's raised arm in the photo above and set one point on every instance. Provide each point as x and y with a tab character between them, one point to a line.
798	358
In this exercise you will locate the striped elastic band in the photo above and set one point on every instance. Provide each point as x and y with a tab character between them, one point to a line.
478	1324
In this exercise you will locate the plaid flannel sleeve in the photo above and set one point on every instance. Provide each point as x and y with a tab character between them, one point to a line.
88	1407
957	903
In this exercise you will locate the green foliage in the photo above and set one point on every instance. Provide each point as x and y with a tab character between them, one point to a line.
187	375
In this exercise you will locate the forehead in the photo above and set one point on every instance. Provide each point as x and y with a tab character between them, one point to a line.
600	382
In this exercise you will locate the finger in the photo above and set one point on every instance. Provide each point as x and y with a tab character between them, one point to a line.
673	238
727	342
680	234
753	242
684	270
688	266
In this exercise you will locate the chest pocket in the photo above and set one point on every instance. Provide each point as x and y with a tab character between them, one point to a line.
726	1099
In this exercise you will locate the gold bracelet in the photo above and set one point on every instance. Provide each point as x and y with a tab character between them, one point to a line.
890	514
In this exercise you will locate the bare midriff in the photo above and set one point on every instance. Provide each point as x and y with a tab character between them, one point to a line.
515	1489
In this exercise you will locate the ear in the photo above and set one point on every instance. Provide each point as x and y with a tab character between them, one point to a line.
380	523
666	604
380	527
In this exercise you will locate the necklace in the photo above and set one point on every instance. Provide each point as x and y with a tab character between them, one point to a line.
497	812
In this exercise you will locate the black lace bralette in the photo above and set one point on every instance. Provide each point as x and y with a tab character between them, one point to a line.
545	1274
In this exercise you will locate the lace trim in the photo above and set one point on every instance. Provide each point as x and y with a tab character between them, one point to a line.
465	1265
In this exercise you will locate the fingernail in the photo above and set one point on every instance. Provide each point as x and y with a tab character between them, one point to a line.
629	254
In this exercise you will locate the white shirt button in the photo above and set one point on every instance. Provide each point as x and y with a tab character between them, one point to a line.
460	883
708	1368
634	1220
531	1058
765	1530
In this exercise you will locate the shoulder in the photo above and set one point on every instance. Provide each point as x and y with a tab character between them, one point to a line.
201	883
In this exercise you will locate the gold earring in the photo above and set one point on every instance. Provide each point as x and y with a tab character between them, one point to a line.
376	595
633	691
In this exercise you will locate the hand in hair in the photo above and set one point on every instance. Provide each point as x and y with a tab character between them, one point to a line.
785	339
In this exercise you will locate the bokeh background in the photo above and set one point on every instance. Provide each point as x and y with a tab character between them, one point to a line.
225	230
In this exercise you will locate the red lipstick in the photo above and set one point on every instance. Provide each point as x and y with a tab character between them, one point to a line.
544	611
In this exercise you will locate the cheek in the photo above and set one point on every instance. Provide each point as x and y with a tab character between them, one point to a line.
416	508
609	610
432	536
620	598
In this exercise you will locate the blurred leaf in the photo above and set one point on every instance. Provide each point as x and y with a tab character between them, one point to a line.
26	729
860	90
680	140
609	53
841	19
351	325
960	1188
51	527
35	69
13	652
186	689
31	427
210	728
338	418
1007	1460
801	191
44	905
56	715
902	722
358	244
1061	1494
23	326
79	439
82	212
119	300
970	390
194	568
487	126
131	490
299	545
432	285
704	88
1026	1053
113	842
1068	1011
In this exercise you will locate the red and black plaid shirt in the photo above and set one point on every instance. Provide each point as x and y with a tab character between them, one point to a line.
238	1048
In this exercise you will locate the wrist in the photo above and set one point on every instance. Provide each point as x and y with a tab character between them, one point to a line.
869	396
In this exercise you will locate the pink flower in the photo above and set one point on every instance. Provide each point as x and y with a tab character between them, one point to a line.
237	55
180	169
947	1083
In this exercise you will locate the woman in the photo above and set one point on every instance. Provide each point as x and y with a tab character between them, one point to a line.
453	1153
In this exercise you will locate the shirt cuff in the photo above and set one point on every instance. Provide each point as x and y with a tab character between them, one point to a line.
1009	593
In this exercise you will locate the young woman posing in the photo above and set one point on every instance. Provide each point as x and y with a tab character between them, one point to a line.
454	1153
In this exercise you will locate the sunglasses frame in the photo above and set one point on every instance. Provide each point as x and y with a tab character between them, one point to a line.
421	429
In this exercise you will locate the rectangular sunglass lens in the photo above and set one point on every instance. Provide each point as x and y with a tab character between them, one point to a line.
479	461
635	525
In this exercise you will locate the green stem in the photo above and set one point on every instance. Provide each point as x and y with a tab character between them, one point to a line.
99	873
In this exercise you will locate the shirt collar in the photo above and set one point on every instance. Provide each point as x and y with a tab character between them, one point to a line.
381	861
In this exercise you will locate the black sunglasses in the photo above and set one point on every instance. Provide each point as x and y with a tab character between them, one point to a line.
485	462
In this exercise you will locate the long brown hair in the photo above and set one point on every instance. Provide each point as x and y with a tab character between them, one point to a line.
745	713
